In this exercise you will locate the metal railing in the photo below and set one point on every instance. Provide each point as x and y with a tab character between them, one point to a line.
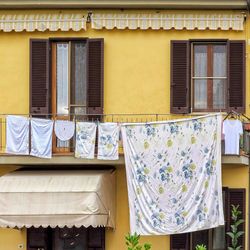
68	147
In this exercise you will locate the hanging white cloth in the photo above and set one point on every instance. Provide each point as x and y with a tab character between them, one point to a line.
174	175
64	130
85	140
41	137
232	129
108	139
17	135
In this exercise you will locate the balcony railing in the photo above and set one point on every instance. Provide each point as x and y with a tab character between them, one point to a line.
67	148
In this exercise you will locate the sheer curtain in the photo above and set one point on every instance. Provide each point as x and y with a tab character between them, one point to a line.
62	78
62	83
219	70
79	88
200	70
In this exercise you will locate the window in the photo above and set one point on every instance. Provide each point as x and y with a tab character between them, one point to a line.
214	239
66	81
207	76
66	76
66	238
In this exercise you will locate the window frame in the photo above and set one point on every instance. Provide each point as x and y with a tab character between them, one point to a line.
209	78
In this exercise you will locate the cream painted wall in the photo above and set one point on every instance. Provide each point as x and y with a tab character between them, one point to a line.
136	80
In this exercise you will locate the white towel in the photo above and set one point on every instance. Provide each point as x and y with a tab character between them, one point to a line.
64	130
41	137
85	140
17	135
108	138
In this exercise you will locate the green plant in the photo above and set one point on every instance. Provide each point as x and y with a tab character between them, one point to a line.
235	234
201	247
132	242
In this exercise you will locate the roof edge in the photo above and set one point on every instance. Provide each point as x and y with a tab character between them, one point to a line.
127	4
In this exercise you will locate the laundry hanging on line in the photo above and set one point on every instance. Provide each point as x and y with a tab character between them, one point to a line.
64	130
232	130
41	137
174	175
17	135
108	141
85	140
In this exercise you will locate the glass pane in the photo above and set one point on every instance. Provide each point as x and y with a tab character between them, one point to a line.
219	90
219	61
200	60
200	94
62	98
79	79
219	238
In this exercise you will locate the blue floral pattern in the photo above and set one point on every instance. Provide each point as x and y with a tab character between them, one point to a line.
174	175
85	140
108	139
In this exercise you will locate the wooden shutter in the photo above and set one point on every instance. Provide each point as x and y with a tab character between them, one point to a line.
180	77
37	238
96	238
95	76
237	197
236	75
180	241
39	76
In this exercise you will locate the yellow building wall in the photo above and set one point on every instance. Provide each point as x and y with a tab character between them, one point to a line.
136	80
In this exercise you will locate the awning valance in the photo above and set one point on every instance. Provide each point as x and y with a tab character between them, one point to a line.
57	198
42	22
168	21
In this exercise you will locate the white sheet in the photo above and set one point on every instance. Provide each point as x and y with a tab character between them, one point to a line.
174	175
64	130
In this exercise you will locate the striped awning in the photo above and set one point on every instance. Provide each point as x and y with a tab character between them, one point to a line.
168	21
42	22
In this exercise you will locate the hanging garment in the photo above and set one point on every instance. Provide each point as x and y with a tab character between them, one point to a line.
85	140
64	130
232	129
17	135
174	175
41	137
108	140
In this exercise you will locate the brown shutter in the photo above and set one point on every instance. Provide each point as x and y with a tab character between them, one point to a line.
237	197
37	238
96	238
179	241
95	76
180	77
39	76
236	75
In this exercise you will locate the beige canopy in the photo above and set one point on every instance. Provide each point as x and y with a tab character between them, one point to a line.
57	198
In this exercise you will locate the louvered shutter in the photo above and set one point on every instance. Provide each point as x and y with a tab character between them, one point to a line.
95	76
37	238
180	77
39	76
179	241
96	238
237	197
236	75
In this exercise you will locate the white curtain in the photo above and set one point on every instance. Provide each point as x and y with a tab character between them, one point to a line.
219	70
200	70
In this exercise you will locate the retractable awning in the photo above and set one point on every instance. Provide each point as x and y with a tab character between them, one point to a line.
57	198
